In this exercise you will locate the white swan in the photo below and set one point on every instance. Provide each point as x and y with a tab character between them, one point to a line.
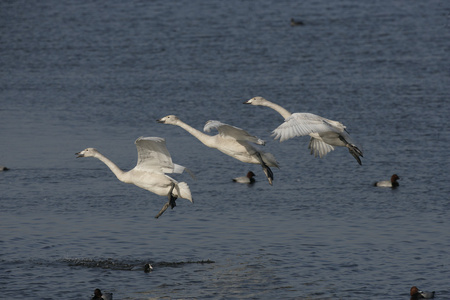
324	133
153	162
232	141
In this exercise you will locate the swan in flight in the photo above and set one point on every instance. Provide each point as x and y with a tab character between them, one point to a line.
246	179
232	141
325	134
153	162
389	183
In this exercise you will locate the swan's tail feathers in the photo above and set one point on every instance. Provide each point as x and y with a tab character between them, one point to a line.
183	191
165	207
319	147
269	159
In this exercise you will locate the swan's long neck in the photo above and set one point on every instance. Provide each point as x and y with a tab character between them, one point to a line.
112	166
204	138
282	111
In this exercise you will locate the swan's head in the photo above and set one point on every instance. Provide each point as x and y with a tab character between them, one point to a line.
170	119
88	152
256	101
394	178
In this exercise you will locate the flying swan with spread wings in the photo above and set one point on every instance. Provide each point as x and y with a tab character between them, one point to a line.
325	134
232	141
154	162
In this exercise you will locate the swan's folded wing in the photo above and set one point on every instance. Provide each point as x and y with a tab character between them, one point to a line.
229	131
153	155
301	124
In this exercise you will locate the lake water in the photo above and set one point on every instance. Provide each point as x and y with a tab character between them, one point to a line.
77	74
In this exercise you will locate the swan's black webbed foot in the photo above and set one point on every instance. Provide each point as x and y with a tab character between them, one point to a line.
172	199
355	154
354	151
266	169
268	173
171	202
166	206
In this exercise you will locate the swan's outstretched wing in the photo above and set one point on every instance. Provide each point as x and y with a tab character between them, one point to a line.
229	131
153	156
300	124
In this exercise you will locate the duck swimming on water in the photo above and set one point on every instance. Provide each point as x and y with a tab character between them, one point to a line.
389	183
98	295
148	268
296	23
246	179
418	294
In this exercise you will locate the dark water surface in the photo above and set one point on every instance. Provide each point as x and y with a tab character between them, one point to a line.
77	74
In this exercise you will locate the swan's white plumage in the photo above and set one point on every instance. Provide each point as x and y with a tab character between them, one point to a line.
228	131
319	147
153	156
301	124
231	141
154	161
324	133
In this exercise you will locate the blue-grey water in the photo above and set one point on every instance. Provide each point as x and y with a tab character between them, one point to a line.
77	74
